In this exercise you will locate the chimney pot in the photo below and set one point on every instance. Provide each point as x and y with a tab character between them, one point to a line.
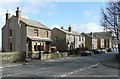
18	12
7	15
69	28
62	27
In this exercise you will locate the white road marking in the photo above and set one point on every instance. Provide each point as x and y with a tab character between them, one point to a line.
63	75
80	70
75	71
70	73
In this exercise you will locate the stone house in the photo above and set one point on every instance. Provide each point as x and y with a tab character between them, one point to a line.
90	41
67	39
22	34
100	42
106	39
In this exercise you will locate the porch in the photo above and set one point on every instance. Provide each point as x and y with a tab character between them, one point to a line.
36	46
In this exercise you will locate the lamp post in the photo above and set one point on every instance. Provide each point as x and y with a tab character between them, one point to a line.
68	44
56	43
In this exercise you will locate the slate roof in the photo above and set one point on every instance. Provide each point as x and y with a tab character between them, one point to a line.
104	35
91	36
68	32
33	23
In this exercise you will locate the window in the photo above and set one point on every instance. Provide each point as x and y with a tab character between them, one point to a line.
36	32
79	38
82	38
38	48
10	46
35	47
10	32
46	33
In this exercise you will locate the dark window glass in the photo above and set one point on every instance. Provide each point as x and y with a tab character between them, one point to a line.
47	33
10	46
10	32
36	32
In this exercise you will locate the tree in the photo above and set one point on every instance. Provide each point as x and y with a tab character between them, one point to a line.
110	19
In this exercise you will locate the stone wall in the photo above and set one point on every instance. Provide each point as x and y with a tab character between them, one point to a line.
13	57
53	55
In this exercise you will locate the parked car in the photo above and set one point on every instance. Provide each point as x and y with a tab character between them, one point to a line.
86	53
109	50
98	51
112	50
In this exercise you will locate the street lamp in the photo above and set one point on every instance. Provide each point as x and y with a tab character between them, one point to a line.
68	45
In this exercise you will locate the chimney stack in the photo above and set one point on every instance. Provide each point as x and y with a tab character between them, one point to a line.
69	28
7	15
91	33
62	27
18	12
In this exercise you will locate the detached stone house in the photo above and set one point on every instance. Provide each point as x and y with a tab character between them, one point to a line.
67	39
21	34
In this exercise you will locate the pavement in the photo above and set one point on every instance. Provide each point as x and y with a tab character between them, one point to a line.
111	63
12	64
28	61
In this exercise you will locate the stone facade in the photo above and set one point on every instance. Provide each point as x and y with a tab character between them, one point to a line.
67	39
105	39
21	34
90	41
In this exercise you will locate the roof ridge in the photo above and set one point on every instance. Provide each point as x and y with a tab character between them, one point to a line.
33	22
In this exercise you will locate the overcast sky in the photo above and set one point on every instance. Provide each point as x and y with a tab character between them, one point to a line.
82	16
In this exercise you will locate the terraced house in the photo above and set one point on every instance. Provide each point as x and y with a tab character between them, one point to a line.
67	39
21	34
90	41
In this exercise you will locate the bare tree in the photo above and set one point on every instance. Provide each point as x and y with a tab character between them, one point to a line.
111	19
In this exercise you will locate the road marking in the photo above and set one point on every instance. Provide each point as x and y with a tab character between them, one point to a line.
80	70
76	71
70	73
63	75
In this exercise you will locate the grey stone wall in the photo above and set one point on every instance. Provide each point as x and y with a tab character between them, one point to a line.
54	55
13	57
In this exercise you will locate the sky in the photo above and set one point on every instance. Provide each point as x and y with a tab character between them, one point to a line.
82	16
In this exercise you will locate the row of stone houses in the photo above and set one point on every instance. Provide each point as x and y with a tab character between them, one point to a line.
70	40
21	34
98	40
67	39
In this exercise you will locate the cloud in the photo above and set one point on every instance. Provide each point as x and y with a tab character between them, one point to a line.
89	27
55	26
87	13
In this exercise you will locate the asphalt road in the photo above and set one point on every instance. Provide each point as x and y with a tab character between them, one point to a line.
77	66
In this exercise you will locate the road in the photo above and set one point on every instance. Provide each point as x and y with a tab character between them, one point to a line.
77	66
